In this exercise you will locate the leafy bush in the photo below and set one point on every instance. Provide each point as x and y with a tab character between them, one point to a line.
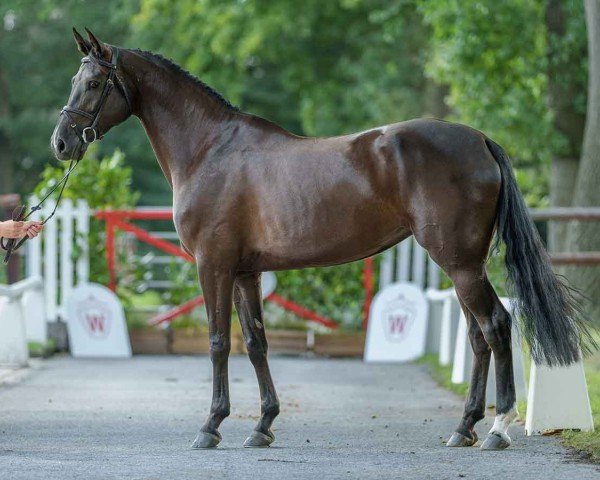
335	292
103	184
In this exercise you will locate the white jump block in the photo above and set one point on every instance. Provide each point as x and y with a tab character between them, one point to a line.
13	343
397	327
558	399
13	322
33	302
96	323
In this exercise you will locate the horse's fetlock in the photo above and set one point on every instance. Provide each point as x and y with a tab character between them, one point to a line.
221	410
271	408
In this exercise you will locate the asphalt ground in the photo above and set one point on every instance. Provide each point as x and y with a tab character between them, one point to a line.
136	419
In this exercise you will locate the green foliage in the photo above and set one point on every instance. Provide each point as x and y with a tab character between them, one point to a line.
103	184
38	349
335	292
443	375
338	66
589	442
185	283
317	68
38	57
492	56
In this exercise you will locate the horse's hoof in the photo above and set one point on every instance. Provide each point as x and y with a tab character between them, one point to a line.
459	440
496	441
259	440
206	440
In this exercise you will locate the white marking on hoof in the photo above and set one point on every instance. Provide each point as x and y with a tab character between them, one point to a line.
503	421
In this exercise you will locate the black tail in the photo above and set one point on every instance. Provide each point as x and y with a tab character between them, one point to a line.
552	321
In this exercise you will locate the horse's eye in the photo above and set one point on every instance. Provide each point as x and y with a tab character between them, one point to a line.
93	84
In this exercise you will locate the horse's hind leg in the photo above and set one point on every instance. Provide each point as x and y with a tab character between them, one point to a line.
248	302
478	295
465	434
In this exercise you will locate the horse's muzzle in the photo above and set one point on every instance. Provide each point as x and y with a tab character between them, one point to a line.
67	147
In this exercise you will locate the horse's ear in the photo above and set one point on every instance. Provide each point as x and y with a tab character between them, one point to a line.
99	49
82	45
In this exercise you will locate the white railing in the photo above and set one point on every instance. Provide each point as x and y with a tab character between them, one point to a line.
51	254
408	262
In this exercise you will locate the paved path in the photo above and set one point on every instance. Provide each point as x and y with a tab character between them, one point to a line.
340	419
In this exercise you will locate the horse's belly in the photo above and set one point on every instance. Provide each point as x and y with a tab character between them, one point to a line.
343	236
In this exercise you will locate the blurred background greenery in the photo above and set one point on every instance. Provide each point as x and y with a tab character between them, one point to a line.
516	69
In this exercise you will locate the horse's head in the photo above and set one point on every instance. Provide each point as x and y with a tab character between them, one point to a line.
99	100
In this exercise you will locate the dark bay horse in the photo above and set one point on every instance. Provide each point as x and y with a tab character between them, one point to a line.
249	196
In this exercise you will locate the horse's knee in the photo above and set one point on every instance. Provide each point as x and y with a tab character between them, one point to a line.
220	346
257	349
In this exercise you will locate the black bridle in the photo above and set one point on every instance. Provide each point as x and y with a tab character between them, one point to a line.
112	79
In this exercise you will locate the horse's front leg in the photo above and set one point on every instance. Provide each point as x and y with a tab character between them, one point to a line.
217	287
248	302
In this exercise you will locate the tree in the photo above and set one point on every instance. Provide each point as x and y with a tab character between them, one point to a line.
517	70
567	75
318	68
492	55
585	237
37	60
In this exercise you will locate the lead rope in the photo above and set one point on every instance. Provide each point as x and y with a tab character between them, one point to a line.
12	244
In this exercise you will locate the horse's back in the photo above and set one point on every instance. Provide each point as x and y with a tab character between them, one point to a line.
367	191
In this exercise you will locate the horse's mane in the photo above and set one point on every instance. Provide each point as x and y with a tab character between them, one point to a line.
171	65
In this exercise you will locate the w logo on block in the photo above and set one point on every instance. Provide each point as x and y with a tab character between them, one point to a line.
397	323
95	322
399	319
95	317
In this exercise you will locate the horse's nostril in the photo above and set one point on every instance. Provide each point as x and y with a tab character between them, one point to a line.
60	145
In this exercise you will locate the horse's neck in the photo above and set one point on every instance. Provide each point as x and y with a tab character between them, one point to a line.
180	119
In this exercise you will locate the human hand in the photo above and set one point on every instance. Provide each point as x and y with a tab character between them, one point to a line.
32	228
12	229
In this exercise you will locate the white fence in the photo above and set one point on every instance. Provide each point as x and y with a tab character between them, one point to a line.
408	262
50	255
